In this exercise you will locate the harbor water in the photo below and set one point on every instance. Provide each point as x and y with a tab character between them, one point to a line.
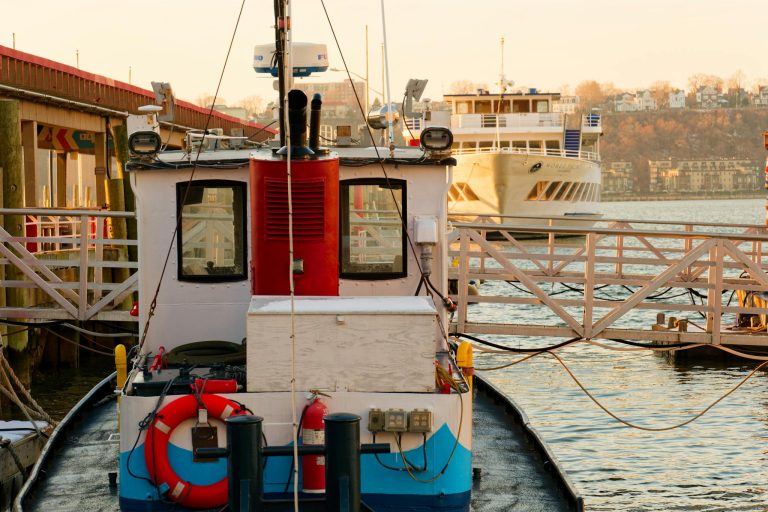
719	462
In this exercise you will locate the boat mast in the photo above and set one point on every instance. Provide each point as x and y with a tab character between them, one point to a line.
501	96
281	43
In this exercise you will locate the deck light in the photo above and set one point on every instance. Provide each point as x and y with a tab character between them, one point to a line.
144	143
436	138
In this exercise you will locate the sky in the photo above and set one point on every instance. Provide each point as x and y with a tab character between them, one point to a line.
549	44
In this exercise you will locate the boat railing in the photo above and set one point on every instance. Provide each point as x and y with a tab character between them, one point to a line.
68	264
658	281
523	120
569	153
591	121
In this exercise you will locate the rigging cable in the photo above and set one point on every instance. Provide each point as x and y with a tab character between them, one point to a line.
153	303
380	160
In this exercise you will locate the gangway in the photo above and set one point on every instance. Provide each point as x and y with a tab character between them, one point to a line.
658	281
67	266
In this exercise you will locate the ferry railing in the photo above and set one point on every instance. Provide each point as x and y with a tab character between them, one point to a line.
591	121
66	266
533	120
581	155
613	278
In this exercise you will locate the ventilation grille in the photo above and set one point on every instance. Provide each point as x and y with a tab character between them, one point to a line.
308	208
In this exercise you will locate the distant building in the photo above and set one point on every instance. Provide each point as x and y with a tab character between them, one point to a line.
761	98
708	97
677	99
644	100
625	103
618	178
705	176
658	171
340	107
566	104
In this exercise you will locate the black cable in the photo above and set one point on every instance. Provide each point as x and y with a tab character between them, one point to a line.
511	349
411	466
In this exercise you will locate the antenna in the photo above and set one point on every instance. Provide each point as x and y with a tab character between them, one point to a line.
390	117
413	91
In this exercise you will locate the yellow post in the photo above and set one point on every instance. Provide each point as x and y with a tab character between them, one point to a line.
121	364
464	360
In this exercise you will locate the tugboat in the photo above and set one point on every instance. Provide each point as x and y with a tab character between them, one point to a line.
294	351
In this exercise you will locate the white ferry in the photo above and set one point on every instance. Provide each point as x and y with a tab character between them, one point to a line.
516	156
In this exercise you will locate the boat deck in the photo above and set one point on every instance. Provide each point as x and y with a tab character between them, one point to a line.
517	471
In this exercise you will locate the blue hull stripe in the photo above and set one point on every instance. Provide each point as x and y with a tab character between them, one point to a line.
384	489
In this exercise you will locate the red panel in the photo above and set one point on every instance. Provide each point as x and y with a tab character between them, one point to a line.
315	198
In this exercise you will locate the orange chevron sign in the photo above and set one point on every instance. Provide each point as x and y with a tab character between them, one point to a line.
62	139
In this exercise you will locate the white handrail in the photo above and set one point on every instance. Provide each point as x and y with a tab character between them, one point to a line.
566	153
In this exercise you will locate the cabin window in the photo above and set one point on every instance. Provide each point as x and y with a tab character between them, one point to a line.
483	107
210	242
463	107
542	106
373	241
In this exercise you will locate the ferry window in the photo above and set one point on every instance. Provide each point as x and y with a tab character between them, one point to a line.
551	190
519	144
534	144
537	190
521	106
462	107
553	145
373	243
542	106
483	107
211	244
561	192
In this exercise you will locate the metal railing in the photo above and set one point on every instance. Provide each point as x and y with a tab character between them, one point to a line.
591	121
66	266
612	278
527	121
568	153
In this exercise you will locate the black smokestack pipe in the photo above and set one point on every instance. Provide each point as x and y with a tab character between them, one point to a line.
297	125
314	122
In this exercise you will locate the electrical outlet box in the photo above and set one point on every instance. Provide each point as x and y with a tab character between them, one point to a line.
376	420
395	420
420	420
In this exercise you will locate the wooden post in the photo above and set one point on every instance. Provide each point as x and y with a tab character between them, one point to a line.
120	138
29	142
3	328
61	180
13	197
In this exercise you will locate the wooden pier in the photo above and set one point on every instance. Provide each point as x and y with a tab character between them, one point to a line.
659	281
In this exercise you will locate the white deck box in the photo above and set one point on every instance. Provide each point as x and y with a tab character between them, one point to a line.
384	344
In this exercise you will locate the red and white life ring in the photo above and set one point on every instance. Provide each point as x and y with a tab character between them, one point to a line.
156	450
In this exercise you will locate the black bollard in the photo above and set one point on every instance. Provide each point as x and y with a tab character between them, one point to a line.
342	462
244	466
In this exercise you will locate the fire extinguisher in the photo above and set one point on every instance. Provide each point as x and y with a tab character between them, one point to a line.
313	432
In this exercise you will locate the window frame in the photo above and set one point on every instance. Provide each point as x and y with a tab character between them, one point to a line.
390	183
239	188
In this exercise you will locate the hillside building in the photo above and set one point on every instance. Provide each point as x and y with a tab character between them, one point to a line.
618	178
676	99
704	176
